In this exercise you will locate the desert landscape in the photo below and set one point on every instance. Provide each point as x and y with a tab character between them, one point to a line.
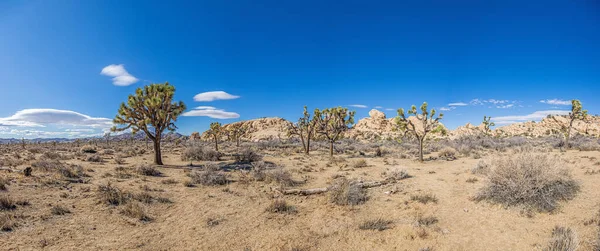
268	194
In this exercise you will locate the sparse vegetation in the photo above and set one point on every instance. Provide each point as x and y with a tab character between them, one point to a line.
88	149
359	163
427	124
59	210
199	153
378	224
304	129
563	239
4	182
424	198
7	222
209	177
148	170
215	131
345	192
112	195
137	211
534	181
281	206
7	203
331	123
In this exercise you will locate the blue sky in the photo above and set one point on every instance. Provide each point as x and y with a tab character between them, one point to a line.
278	56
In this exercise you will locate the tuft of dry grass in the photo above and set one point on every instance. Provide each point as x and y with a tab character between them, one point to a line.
280	176
112	195
7	203
4	182
424	198
199	153
563	239
7	222
137	211
59	210
94	158
482	167
247	155
378	224
119	161
360	163
147	170
88	149
534	181
398	174
426	220
346	192
448	153
281	206
209	177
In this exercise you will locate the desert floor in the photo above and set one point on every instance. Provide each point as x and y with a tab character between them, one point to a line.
234	216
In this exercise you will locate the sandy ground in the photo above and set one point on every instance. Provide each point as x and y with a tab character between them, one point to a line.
244	223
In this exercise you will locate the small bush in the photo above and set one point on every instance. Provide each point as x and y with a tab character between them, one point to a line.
119	160
71	171
7	203
247	156
359	163
448	153
136	211
378	224
108	151
47	165
59	210
169	181
112	195
94	158
281	177
535	181
345	192
398	174
482	167
4	182
209	178
147	170
51	155
563	239
281	206
88	149
426	221
7	222
199	153
424	198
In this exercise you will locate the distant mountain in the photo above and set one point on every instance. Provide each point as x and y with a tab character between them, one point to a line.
120	137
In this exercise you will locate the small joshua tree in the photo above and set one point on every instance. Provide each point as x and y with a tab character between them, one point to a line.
215	132
304	129
577	113
236	131
487	124
107	137
23	144
331	123
427	120
152	111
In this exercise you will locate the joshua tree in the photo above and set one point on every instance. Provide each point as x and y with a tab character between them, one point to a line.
331	123
577	113
487	124
215	132
427	120
236	131
304	129
23	143
107	137
152	111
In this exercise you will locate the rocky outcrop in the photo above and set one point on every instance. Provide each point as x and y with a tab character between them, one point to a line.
259	129
549	126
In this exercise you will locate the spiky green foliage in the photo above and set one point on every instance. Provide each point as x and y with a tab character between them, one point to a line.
429	123
235	132
215	131
487	124
304	129
152	111
331	123
577	113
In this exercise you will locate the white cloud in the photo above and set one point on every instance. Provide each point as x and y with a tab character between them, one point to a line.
495	102
536	116
556	102
212	96
212	112
476	102
120	76
505	106
378	107
458	104
447	108
390	109
43	117
359	106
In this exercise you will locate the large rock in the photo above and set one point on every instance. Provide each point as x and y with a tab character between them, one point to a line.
259	129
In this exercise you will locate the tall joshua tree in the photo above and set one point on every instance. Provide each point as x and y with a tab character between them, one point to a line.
427	121
331	123
304	129
151	110
215	132
487	124
236	131
577	113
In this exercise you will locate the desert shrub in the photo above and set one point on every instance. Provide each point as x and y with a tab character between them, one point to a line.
7	222
424	198
259	170
35	150
108	151
112	195
7	203
209	177
4	182
47	165
426	220
448	153
136	211
281	206
378	224
360	163
563	239
94	158
398	174
199	153
535	181
59	210
346	192
482	167
12	162
88	149
280	176
169	181
247	156
147	170
51	155
119	161
71	171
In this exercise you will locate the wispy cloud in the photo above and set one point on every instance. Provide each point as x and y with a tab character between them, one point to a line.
505	106
536	116
120	76
359	106
447	108
458	104
214	95
212	112
43	117
556	102
378	107
390	109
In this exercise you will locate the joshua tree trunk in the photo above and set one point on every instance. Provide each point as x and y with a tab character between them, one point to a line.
157	154
216	144
421	149
237	142
567	145
307	150
331	148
